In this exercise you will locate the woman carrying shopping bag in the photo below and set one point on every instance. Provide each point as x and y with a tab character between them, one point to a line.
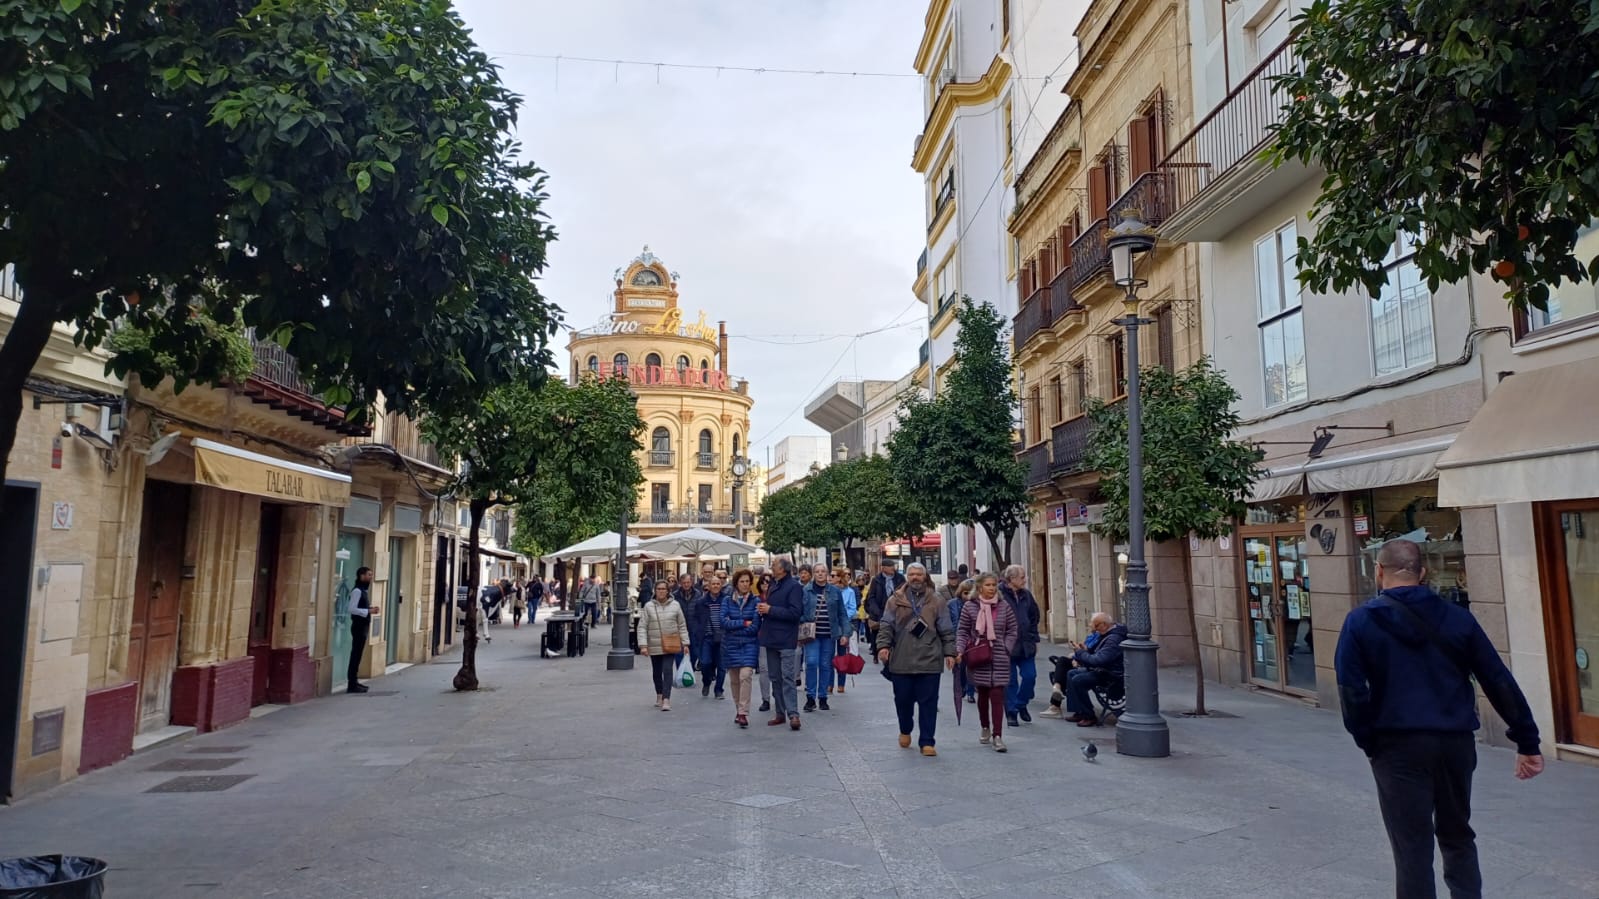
663	636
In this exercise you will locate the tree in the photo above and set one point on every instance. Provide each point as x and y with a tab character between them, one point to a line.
956	451
1470	130
588	474
1196	479
873	502
508	444
788	519
333	174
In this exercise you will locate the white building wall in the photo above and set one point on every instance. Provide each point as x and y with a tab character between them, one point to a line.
792	458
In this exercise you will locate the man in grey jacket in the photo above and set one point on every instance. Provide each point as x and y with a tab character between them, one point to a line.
590	596
916	642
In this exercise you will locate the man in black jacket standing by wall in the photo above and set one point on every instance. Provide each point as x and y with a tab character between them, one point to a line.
1404	663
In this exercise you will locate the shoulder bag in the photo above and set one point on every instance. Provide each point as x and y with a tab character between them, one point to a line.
672	643
978	655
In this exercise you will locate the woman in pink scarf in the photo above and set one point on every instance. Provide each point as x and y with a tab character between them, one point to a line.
987	620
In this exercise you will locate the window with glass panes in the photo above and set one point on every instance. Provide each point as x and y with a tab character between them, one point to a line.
1282	328
1401	317
1570	299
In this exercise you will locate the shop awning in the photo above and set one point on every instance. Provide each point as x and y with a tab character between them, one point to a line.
1276	483
929	540
1383	466
1535	439
497	553
230	468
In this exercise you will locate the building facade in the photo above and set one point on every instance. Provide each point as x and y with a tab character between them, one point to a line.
793	458
1129	92
696	415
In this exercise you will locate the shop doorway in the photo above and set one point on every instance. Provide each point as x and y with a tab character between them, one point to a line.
347	560
158	579
1569	556
396	597
16	582
263	600
1276	597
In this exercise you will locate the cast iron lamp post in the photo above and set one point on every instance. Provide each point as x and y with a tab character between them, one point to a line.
738	470
620	657
1141	731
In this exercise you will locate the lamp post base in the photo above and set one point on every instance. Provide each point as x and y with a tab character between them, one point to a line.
619	660
1142	732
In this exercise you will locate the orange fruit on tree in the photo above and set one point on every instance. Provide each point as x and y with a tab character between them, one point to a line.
1504	268
1522	232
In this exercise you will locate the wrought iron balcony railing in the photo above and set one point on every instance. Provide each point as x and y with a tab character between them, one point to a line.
662	458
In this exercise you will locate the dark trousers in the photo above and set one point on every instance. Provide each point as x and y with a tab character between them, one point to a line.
593	610
916	701
991	708
1424	790
360	627
662	666
1080	684
711	664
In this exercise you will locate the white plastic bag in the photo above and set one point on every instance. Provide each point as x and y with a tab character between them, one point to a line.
685	671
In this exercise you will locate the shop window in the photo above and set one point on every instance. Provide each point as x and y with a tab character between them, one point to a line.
1569	300
1285	511
1282	328
1410	512
1401	317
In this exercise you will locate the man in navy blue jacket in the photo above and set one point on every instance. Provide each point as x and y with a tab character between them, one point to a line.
1405	662
779	639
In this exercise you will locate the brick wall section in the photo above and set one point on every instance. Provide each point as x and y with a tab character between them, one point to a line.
210	697
292	675
108	725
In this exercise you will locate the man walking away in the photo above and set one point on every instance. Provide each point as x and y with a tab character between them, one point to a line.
916	642
1024	658
780	620
535	597
360	625
1404	663
883	585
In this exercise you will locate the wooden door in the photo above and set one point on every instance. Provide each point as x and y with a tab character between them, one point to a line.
1569	568
153	632
262	599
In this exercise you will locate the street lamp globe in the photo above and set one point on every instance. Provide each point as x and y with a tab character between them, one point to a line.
1128	240
842	453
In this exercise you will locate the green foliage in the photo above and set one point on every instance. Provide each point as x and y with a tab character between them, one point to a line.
956	451
336	173
1470	125
788	519
847	501
1196	479
221	348
588	473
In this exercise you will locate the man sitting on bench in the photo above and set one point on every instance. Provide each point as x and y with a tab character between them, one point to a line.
1095	667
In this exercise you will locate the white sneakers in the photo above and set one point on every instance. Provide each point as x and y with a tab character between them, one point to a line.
983	736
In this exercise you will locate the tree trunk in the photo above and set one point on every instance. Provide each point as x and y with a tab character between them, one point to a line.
1193	625
21	350
1001	553
466	678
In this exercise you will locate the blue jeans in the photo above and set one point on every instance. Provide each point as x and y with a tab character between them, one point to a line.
593	611
917	693
1023	675
819	665
780	664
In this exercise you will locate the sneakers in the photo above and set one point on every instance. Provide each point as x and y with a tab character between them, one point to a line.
793	722
1022	714
810	703
983	736
766	705
904	741
929	751
971	697
1010	719
1051	712
823	705
666	705
721	695
999	745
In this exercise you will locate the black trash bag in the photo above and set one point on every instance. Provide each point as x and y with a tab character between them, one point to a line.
52	877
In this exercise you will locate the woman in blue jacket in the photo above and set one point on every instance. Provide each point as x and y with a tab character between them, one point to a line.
741	624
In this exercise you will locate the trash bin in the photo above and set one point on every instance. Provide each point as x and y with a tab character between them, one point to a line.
52	877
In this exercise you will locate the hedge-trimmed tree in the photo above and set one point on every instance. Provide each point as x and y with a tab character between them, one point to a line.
1196	478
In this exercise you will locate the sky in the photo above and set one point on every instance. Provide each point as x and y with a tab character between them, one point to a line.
786	203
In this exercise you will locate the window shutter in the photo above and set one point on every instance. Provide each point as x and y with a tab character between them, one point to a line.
1098	197
1046	266
1068	233
1140	146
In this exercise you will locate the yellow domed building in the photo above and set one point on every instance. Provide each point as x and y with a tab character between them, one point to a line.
696	415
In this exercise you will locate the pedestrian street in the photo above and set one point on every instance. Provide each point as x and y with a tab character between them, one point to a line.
560	779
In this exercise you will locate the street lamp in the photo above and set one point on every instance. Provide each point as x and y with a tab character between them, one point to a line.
738	470
842	453
1141	731
620	657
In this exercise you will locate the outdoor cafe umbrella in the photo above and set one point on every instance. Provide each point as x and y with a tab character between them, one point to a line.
601	547
696	542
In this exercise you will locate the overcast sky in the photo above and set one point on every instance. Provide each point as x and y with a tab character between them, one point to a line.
786	202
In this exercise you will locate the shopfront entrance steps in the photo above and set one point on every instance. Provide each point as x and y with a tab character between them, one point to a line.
164	736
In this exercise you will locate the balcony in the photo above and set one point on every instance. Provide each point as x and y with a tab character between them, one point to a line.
1061	301
1069	443
921	264
1150	195
1090	256
662	458
945	196
1225	148
922	354
695	517
275	381
704	461
1036	462
942	305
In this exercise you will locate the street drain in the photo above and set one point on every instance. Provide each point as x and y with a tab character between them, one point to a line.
200	783
194	764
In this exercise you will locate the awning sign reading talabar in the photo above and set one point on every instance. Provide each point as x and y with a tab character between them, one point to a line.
230	468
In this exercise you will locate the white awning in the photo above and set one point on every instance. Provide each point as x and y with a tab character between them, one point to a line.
1536	439
1384	466
1276	483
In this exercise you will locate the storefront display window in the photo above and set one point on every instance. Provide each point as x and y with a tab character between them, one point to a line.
1283	511
1410	512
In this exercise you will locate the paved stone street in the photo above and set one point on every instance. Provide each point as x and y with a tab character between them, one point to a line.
561	780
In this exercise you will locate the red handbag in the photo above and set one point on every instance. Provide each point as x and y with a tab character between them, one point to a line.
978	654
849	663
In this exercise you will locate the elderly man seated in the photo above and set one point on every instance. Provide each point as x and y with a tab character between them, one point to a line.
1095	667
